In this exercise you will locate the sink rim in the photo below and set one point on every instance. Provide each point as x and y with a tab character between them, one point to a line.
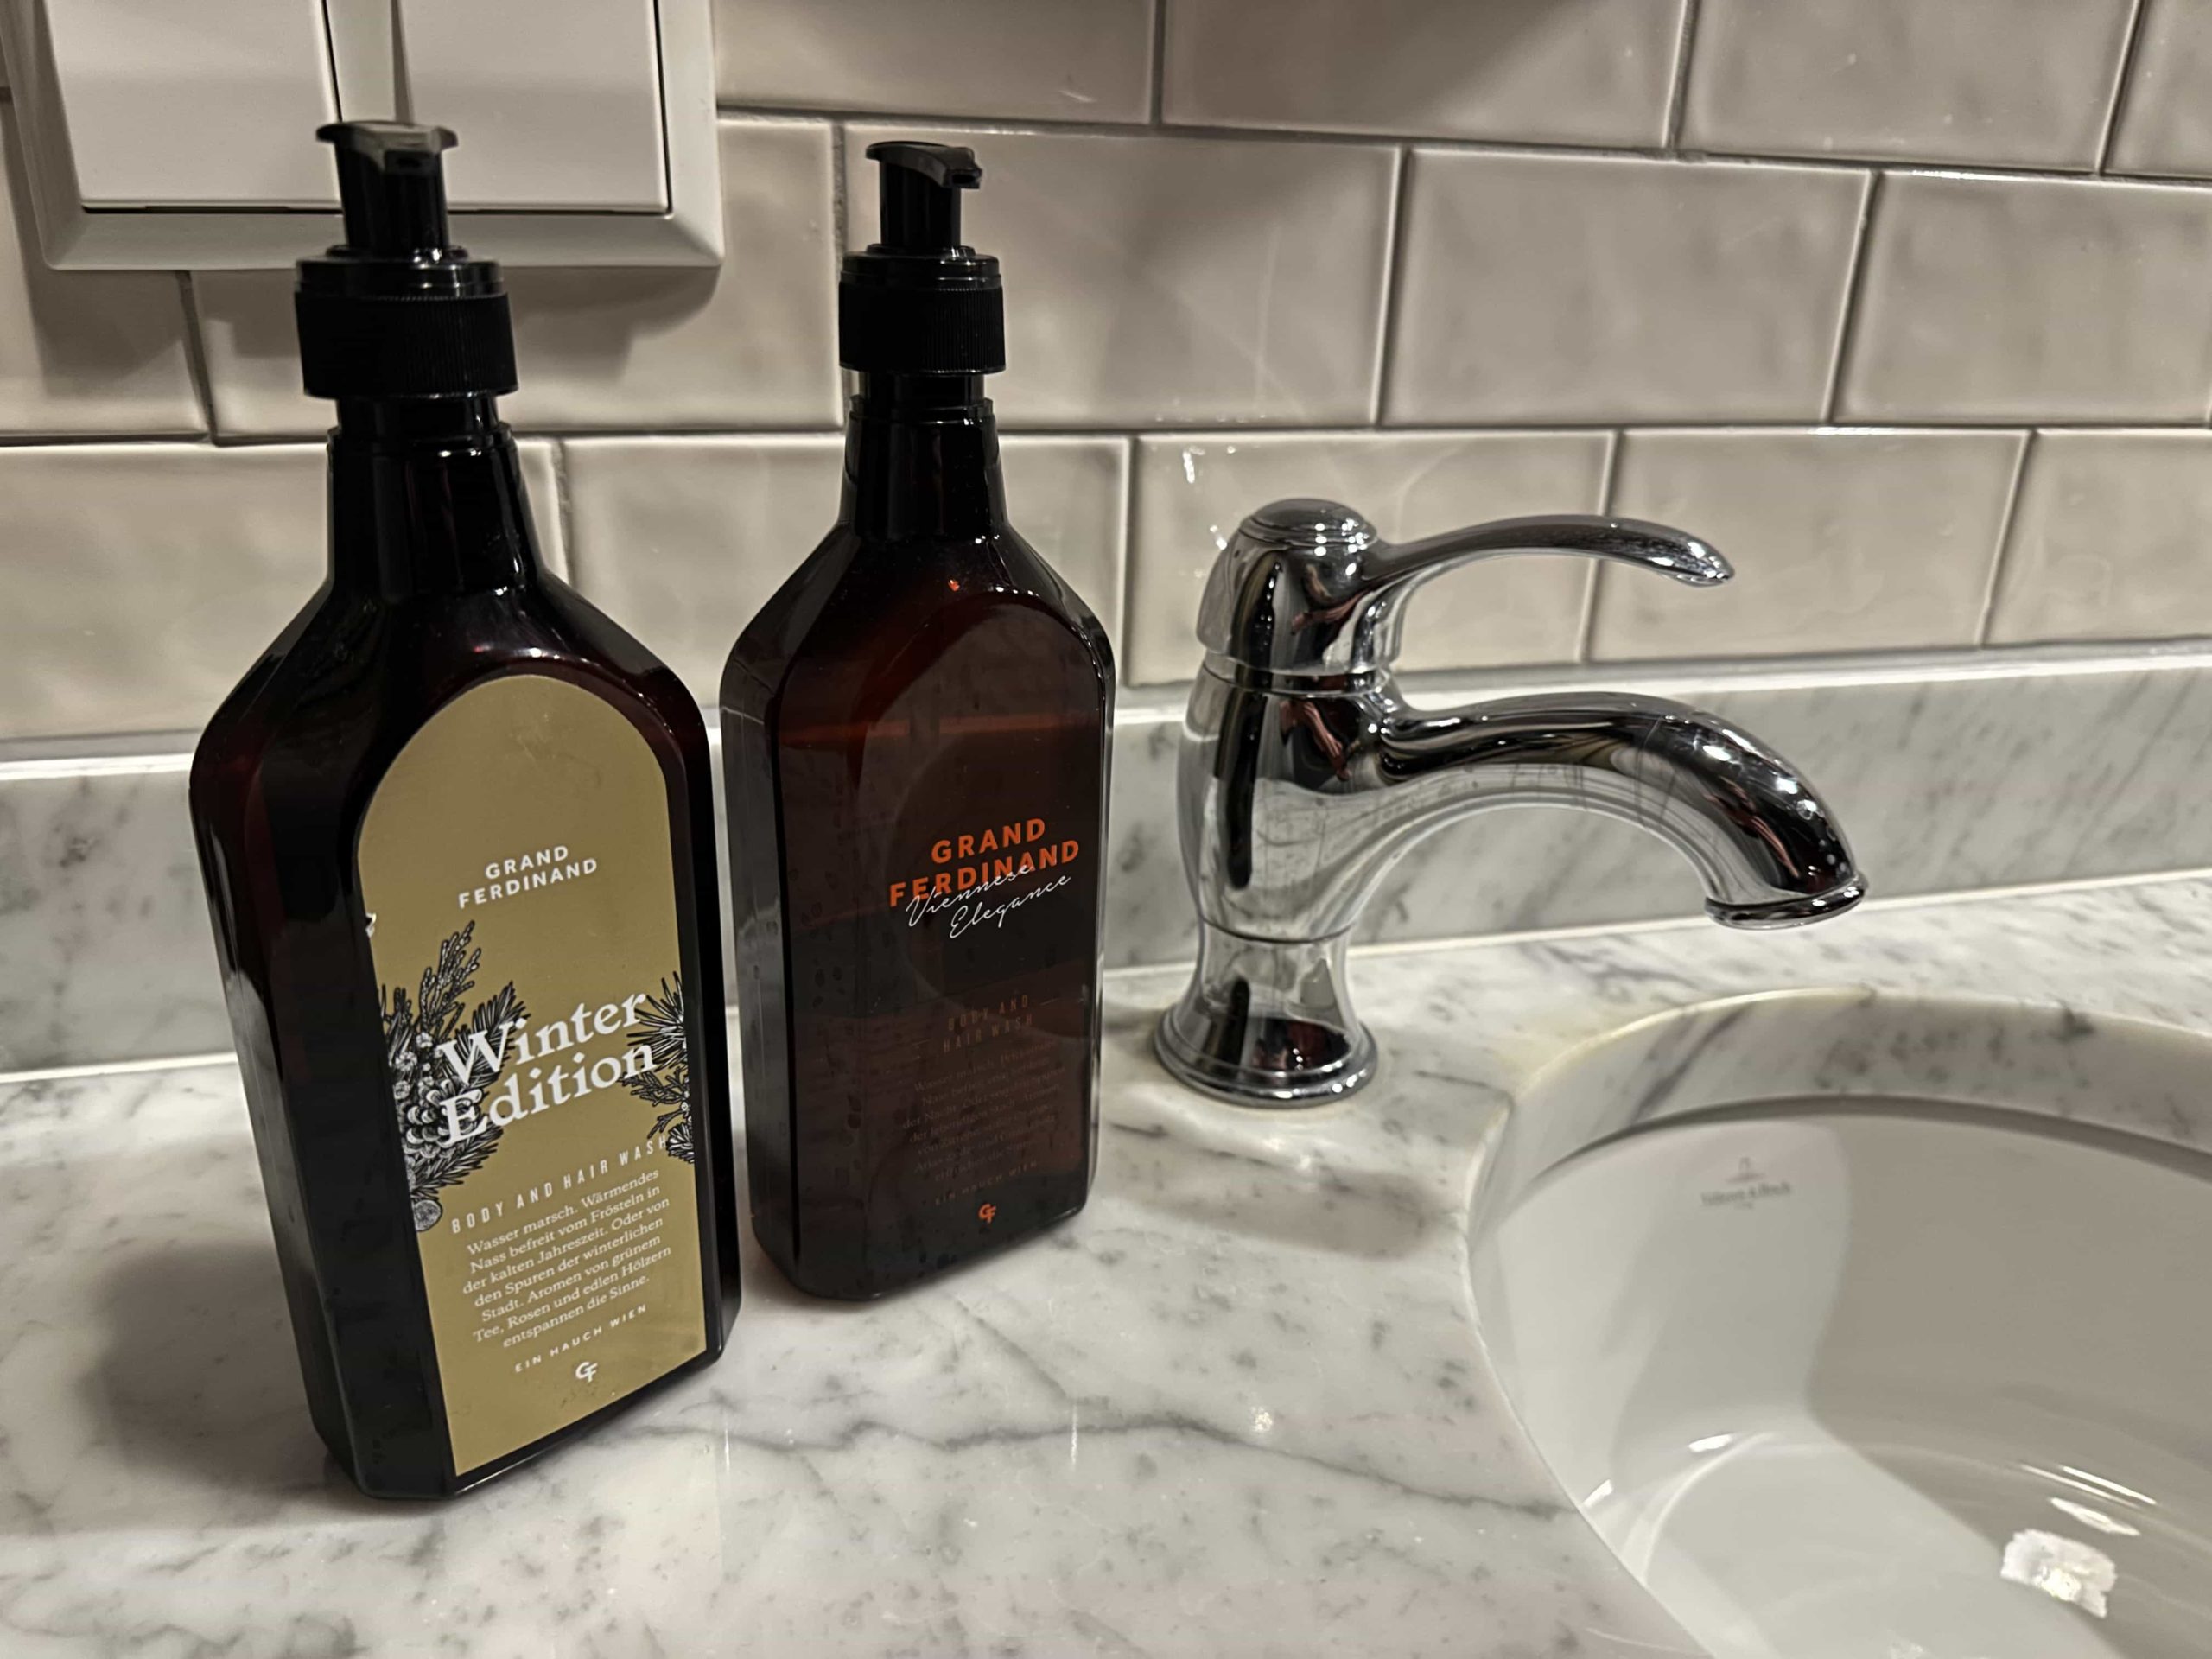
1529	1139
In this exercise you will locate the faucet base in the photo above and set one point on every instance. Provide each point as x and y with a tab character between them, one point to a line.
1266	1023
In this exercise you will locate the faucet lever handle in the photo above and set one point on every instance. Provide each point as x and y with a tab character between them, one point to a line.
1630	541
1309	587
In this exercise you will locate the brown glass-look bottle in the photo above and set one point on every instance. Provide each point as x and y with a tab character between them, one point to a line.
457	833
916	740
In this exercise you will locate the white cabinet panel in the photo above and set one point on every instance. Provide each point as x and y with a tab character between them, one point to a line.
588	127
174	104
557	102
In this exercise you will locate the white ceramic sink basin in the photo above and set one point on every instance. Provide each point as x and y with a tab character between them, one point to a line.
1837	1369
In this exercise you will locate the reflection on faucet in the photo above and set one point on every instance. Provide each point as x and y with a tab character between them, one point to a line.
1303	775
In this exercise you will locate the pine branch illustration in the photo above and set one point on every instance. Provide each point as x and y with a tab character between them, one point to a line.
413	1034
659	1091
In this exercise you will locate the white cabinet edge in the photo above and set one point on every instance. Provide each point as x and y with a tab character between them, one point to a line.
71	238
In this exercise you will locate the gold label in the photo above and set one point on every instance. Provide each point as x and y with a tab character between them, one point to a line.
520	888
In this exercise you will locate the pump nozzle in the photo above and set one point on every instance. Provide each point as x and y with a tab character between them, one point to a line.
392	185
920	301
920	187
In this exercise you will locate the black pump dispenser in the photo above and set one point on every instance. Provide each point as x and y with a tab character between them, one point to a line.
920	301
397	310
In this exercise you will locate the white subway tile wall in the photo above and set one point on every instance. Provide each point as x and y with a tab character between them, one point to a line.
681	539
1039	59
145	578
2108	540
1989	298
2015	82
1567	72
1439	259
1842	540
1596	288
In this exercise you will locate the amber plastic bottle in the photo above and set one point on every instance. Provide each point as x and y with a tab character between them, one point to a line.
457	833
916	745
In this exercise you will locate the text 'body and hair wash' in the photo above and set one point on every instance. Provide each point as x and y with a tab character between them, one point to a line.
458	837
916	733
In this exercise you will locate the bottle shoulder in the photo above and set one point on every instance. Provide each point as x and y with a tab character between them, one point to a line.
860	610
323	713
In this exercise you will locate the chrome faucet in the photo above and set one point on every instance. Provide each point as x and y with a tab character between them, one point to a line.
1303	775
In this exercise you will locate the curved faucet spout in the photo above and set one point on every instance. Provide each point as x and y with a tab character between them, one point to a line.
1766	846
1294	807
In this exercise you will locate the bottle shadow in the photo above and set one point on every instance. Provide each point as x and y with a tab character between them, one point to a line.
193	1409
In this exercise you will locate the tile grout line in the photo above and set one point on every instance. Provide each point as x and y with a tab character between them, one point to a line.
564	510
840	207
1126	598
841	231
195	356
1060	126
2122	76
1926	425
2007	525
1158	77
1678	93
1847	322
178	440
1616	444
1394	266
1930	426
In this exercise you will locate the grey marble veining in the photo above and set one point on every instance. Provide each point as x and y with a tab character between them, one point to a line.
1237	1407
2023	771
104	951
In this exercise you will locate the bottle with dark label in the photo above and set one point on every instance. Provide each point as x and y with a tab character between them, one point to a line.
457	831
916	738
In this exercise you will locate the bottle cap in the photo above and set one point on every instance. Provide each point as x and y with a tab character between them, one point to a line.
395	310
920	301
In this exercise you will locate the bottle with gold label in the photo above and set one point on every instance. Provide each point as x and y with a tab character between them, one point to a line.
915	733
458	837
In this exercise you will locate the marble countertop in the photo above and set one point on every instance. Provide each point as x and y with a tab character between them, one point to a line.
1237	1407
